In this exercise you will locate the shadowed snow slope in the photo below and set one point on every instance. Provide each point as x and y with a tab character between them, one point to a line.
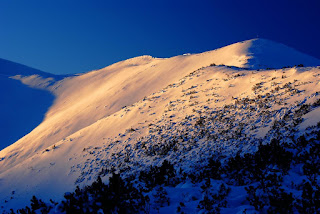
94	106
8	68
22	108
263	53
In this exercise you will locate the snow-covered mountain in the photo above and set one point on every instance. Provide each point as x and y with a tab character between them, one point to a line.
141	111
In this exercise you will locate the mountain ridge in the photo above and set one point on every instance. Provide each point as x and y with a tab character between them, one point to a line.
10	68
119	102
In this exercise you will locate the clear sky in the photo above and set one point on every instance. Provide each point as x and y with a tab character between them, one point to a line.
72	36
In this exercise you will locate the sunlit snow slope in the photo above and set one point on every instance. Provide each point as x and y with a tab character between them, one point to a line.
92	108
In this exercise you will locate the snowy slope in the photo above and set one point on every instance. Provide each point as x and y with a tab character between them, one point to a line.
23	106
99	115
82	100
268	54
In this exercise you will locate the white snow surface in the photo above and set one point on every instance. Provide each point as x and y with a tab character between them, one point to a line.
93	109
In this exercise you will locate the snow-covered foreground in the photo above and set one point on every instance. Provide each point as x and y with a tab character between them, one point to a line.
139	112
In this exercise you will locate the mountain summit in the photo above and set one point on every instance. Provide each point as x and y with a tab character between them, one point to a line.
139	112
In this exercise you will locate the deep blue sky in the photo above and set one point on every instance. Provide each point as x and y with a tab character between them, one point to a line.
72	36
